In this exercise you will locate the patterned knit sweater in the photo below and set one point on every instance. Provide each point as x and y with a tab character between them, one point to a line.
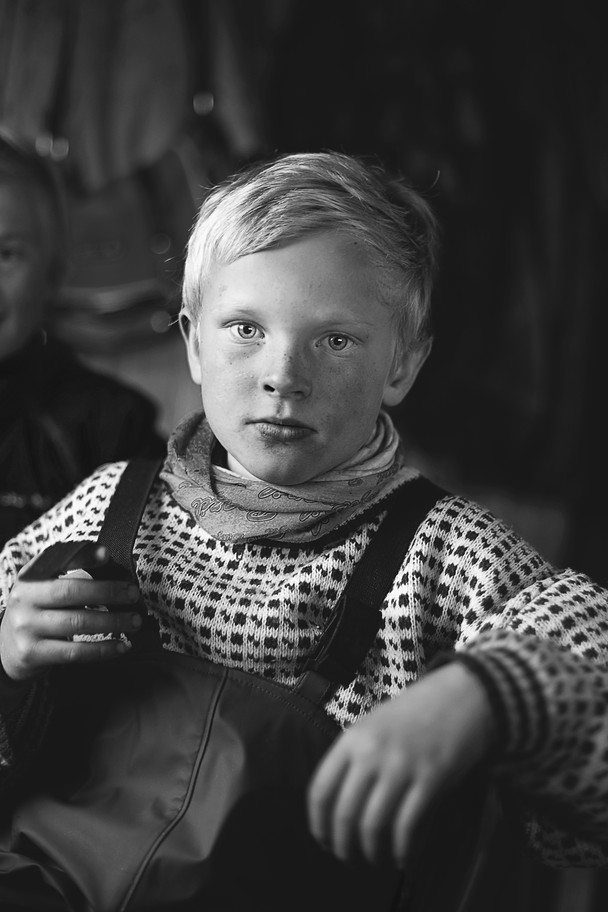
469	590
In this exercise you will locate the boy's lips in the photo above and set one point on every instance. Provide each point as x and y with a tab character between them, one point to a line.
282	429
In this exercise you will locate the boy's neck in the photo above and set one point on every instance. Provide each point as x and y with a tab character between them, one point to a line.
219	457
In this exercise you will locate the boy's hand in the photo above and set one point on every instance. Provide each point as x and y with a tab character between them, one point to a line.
42	617
376	782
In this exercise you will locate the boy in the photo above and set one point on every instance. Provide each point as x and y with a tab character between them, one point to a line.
305	313
59	419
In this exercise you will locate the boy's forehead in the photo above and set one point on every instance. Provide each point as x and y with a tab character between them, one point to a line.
333	251
342	246
347	264
328	276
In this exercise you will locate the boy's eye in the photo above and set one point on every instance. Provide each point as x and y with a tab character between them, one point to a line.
338	343
246	331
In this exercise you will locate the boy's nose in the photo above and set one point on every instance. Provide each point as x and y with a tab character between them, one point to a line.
286	374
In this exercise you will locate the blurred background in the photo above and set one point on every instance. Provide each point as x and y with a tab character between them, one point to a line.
497	112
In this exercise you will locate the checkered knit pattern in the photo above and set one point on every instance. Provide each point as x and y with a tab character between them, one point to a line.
469	590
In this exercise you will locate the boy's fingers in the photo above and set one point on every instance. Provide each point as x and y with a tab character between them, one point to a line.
414	805
63	593
377	819
73	590
346	814
58	652
323	792
55	623
359	813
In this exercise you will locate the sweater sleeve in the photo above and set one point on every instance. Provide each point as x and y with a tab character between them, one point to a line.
551	707
537	639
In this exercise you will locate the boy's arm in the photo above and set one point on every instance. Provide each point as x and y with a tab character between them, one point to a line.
26	706
534	642
47	624
551	710
537	639
385	773
383	776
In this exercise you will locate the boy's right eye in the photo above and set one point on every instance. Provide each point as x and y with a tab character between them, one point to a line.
245	331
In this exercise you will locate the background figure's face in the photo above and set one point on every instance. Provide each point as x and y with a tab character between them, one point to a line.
24	266
296	354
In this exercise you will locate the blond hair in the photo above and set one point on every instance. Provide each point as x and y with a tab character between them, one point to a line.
271	204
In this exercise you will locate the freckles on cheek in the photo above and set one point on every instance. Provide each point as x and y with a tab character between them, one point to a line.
223	376
361	395
357	386
346	394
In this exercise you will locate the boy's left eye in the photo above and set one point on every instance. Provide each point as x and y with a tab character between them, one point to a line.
338	342
245	331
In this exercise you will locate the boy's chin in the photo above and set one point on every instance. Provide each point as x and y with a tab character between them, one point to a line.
279	475
282	479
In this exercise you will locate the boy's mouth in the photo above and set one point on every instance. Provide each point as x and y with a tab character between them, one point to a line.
283	422
282	429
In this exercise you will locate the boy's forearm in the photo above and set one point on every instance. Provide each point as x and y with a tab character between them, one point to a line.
551	710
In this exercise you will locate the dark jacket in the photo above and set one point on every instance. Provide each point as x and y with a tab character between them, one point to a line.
59	420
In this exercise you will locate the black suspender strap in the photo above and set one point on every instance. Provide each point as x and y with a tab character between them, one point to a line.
355	624
119	530
125	511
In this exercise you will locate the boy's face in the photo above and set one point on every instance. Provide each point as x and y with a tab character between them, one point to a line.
24	266
295	355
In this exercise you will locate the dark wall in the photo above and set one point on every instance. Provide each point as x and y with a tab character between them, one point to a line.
499	113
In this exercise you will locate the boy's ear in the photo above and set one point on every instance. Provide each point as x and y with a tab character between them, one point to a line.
190	337
405	370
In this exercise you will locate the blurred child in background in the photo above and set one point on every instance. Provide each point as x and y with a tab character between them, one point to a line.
59	420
